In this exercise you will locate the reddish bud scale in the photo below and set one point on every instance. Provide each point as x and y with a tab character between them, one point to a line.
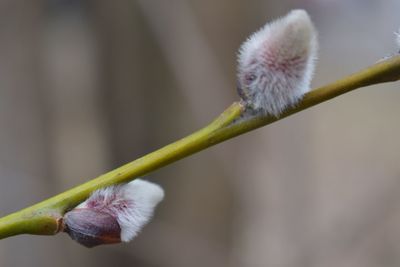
91	227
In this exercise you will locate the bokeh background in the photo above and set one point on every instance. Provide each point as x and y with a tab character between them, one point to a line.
86	86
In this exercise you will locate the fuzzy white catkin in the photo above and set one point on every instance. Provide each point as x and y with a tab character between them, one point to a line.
398	38
132	204
276	63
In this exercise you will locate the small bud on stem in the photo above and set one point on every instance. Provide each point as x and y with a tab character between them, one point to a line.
113	214
276	64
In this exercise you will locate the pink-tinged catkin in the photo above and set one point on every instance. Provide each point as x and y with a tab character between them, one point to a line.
276	63
113	214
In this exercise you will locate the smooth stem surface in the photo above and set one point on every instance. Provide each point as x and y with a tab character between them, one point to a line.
44	217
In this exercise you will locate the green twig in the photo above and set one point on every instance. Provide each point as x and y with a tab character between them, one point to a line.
45	218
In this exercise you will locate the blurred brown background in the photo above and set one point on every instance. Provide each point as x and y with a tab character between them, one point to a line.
86	86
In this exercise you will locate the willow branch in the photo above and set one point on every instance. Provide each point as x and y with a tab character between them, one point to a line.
45	218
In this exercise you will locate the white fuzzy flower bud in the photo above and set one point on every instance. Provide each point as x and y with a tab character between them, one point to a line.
276	64
398	38
113	214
